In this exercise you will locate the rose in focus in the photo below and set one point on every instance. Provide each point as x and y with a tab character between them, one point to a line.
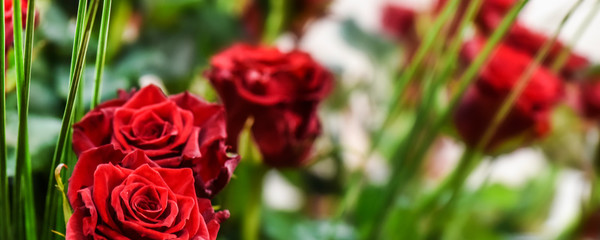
181	131
138	201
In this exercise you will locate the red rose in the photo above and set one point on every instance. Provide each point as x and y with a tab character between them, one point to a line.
180	131
399	21
280	91
142	201
529	118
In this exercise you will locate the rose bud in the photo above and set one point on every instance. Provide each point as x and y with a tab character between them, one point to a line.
279	91
527	120
181	131
138	201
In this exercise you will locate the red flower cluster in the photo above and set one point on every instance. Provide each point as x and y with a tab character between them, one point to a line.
528	119
280	91
147	165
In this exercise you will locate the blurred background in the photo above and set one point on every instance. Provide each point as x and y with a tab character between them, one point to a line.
533	192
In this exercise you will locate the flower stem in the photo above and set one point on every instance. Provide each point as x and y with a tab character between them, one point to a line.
275	20
23	197
101	55
415	63
4	195
252	215
81	43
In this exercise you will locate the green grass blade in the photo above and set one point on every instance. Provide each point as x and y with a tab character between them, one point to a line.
415	63
101	55
4	195
23	156
82	43
51	197
18	206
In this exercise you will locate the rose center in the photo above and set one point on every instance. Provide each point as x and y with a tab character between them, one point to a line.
147	207
153	130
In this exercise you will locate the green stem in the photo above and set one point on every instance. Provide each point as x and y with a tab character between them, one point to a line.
252	215
468	77
355	188
411	70
4	195
23	189
101	55
23	138
275	20
51	198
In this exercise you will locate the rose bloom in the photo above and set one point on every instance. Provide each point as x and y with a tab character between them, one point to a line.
138	201
181	131
528	119
279	91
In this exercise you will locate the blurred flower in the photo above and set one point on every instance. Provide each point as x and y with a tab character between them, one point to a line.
400	22
589	98
279	91
589	226
299	14
519	37
138	201
181	131
528	119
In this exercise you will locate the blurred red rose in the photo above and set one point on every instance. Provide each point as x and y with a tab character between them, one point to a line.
398	21
181	131
280	91
589	98
519	37
142	201
528	119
